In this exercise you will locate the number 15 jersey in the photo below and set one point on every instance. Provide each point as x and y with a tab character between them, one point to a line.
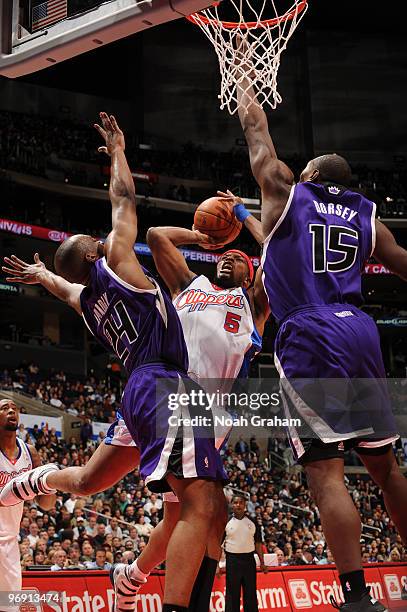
316	252
219	332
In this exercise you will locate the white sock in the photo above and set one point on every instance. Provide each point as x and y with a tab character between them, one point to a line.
136	573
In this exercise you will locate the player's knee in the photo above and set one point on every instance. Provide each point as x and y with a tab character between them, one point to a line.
317	484
385	475
203	500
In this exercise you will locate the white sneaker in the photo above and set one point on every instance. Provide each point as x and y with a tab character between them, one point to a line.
125	588
28	485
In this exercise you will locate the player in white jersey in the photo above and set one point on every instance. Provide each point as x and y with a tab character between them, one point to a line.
16	457
233	310
222	320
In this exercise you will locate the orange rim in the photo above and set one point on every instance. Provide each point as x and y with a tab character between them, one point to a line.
198	19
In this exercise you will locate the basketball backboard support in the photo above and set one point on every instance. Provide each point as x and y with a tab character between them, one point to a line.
23	52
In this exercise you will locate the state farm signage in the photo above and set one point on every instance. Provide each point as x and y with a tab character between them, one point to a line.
281	590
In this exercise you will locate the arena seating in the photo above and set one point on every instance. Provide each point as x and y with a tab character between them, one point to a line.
120	520
37	145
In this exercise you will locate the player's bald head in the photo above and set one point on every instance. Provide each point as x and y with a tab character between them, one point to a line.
76	256
328	168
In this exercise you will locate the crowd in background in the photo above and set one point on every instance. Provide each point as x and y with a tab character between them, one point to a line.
116	525
90	398
37	145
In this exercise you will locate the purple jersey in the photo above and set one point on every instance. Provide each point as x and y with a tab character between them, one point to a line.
138	325
316	252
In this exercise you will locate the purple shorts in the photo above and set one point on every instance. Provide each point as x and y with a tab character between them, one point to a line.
333	378
166	442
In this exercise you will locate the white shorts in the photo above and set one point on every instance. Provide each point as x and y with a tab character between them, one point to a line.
118	434
10	568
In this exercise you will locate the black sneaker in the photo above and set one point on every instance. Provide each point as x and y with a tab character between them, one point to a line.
364	605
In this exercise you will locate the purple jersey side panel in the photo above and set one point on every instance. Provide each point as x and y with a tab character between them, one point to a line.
316	252
137	325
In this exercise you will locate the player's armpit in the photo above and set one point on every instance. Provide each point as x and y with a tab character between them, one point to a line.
123	262
169	261
388	252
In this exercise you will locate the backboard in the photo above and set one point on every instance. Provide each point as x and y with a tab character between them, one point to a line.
36	34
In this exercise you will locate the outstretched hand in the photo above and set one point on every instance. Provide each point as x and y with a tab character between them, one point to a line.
19	271
111	133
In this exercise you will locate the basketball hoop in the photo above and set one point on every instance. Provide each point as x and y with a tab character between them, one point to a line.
249	49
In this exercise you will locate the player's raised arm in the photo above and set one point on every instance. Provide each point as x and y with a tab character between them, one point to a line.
272	175
119	245
169	261
19	271
242	214
388	252
259	301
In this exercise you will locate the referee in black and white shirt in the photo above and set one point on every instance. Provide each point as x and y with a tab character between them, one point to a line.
242	539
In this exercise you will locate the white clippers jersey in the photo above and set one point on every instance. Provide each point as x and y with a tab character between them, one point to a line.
10	517
219	332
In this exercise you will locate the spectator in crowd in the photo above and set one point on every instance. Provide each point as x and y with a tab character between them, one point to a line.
22	432
73	561
241	446
395	556
128	557
153	504
100	538
142	527
100	562
86	431
281	560
114	529
39	557
87	552
319	556
59	560
298	558
27	560
33	535
71	502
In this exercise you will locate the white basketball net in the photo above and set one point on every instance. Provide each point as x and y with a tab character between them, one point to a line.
256	62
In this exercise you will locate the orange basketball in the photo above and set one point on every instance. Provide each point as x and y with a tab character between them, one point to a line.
215	219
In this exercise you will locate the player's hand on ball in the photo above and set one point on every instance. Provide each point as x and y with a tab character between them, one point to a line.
230	198
19	271
111	133
206	242
228	195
